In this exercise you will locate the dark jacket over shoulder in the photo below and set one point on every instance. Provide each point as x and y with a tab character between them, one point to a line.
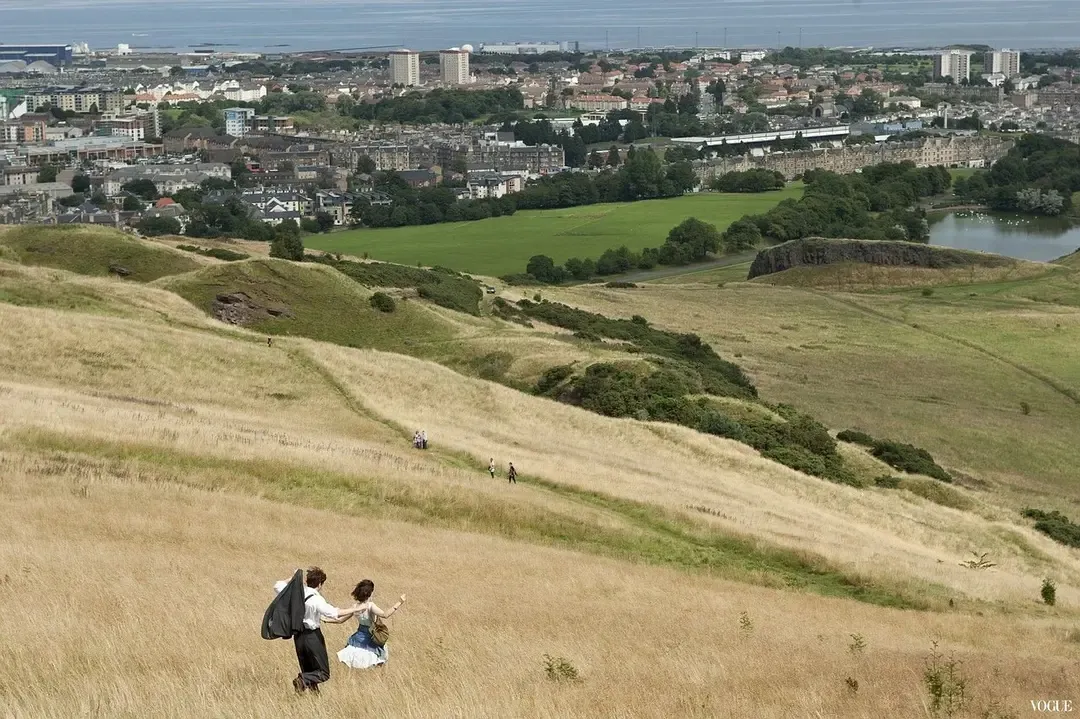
285	615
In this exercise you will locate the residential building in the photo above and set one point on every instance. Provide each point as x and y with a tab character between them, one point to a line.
955	64
336	204
598	103
77	99
276	206
238	120
266	123
134	125
1005	62
18	175
166	178
165	207
419	178
493	185
405	68
25	130
454	66
53	54
386	156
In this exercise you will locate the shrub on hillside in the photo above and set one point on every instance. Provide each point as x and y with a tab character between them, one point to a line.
383	302
887	481
798	458
216	252
908	458
553	377
854	436
620	285
439	285
1055	525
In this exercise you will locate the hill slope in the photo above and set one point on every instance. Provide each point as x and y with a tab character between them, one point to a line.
88	250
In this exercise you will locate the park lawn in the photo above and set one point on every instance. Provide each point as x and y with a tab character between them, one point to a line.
503	245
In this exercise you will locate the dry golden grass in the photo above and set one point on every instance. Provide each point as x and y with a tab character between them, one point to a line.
856	277
160	471
895	368
145	600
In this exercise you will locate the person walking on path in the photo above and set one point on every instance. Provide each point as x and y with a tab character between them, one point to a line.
423	439
511	476
491	468
309	641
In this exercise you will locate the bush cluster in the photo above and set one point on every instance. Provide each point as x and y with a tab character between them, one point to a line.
664	391
444	287
717	376
908	458
1055	525
217	252
905	457
383	302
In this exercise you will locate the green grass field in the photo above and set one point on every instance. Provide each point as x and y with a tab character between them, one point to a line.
503	245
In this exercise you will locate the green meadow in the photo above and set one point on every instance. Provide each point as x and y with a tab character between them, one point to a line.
503	245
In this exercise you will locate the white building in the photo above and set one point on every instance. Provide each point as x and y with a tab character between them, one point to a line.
1004	62
238	120
955	64
751	55
493	185
405	68
167	178
454	66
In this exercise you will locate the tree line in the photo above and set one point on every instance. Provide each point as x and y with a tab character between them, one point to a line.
1038	176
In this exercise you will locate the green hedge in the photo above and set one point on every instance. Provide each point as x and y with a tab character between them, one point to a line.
908	458
1055	525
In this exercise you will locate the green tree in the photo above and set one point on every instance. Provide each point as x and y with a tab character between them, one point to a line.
80	183
131	204
365	165
48	173
324	220
287	244
697	237
613	156
741	235
157	226
143	188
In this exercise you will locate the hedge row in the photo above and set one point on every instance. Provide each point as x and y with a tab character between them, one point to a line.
905	457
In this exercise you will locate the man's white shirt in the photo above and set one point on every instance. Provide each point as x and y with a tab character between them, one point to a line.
315	607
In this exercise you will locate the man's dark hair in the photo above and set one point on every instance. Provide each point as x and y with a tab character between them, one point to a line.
315	578
363	591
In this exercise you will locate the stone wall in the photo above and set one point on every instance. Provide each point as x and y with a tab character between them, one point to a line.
949	151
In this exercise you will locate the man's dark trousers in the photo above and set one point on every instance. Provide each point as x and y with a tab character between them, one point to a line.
311	653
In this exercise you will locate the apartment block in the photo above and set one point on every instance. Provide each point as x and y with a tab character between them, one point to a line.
138	125
77	99
1003	62
955	64
238	120
387	156
454	66
405	68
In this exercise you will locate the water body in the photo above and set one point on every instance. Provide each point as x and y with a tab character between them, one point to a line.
1026	238
433	24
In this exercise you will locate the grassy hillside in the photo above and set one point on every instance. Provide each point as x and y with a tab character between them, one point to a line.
297	298
193	466
951	372
88	250
857	276
503	245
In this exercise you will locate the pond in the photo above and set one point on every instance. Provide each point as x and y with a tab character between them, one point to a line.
1026	238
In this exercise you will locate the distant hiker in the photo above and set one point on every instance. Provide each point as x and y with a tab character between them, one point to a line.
423	439
416	440
367	645
307	637
511	476
491	468
269	341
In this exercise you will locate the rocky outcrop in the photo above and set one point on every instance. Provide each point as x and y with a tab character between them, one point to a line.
819	251
237	308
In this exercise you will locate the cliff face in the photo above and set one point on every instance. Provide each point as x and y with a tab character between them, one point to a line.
818	251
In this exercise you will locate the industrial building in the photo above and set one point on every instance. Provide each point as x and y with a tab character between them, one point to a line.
53	54
405	68
528	48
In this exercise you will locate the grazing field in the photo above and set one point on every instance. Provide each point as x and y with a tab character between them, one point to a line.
503	245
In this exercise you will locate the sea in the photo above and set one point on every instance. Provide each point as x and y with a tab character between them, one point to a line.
297	25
